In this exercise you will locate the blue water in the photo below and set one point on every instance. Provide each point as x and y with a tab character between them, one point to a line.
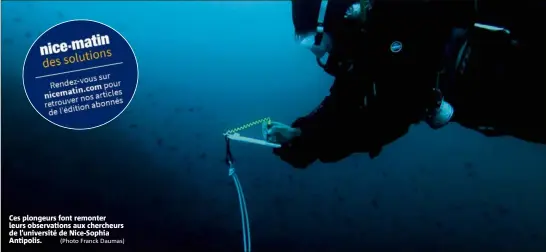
206	67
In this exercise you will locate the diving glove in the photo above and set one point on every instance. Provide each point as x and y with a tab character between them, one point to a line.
279	133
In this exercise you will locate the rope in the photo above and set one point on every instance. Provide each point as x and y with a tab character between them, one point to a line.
245	223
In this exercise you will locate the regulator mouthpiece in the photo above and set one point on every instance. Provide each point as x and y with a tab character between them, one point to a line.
441	116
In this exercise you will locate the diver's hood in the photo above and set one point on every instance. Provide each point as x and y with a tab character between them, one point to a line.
319	42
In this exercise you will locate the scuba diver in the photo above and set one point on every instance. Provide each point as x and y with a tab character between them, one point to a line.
397	63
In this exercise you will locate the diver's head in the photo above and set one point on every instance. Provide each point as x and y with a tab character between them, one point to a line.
317	21
309	18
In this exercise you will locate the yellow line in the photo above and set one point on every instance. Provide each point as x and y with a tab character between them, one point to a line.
248	125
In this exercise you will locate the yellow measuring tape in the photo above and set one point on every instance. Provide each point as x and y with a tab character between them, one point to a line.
248	125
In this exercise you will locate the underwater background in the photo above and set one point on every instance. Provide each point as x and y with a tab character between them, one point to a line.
159	168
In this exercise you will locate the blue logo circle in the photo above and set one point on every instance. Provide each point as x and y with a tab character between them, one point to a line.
80	74
396	46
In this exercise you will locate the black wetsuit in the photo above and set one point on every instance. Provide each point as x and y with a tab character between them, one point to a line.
502	86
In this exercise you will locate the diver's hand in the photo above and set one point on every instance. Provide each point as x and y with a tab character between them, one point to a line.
281	133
